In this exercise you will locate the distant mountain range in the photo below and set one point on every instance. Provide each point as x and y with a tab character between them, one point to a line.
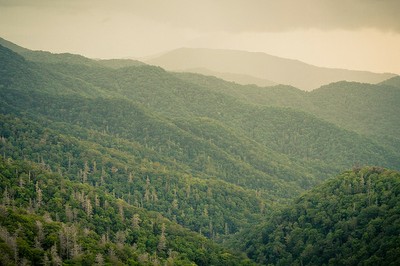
241	67
258	67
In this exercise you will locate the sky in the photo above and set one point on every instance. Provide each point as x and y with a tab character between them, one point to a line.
351	34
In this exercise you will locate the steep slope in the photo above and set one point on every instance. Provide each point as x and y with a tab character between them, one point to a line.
285	133
331	95
278	95
143	91
147	147
123	119
206	159
135	172
352	219
197	151
15	70
261	65
66	58
367	109
46	218
364	108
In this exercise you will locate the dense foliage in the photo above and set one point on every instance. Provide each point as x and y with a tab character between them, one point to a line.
47	218
351	219
364	108
198	160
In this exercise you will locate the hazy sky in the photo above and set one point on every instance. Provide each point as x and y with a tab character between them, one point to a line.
353	34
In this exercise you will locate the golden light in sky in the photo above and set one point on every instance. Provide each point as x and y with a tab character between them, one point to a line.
362	35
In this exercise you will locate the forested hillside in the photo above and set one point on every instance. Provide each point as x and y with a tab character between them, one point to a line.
48	219
351	219
198	159
367	109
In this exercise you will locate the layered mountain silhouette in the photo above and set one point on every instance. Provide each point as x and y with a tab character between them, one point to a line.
259	66
120	162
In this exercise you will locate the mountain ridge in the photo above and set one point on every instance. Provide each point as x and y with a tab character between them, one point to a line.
70	58
261	65
211	159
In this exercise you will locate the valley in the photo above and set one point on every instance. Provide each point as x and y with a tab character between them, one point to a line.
126	163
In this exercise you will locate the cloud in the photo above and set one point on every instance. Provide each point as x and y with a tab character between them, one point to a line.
361	34
282	15
266	15
244	15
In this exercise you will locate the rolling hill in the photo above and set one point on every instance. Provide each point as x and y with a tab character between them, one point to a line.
209	159
350	219
368	109
154	89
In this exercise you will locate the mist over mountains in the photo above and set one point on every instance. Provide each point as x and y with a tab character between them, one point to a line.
258	66
123	162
